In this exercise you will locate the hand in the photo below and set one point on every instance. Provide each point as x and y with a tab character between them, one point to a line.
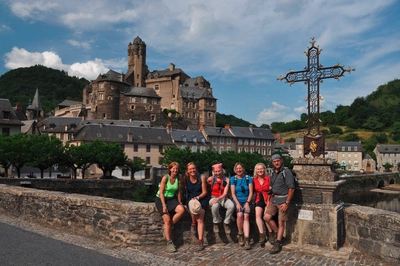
214	201
247	207
283	207
165	209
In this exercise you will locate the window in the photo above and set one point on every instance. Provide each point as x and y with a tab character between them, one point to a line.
240	141
144	100
132	107
349	155
269	152
101	96
5	131
214	140
209	115
263	151
156	87
348	148
221	149
150	108
6	115
154	101
202	148
355	148
147	160
252	142
221	140
246	149
101	85
228	141
246	142
125	172
153	118
214	149
252	150
194	105
148	148
160	148
355	155
258	142
343	148
194	148
135	148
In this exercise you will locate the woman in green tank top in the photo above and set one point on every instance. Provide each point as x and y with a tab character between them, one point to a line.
169	202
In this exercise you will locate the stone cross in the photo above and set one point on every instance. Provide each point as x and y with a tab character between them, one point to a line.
312	75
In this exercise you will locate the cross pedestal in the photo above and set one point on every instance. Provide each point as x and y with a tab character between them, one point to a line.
316	216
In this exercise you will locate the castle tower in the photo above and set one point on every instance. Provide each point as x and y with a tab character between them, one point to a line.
137	61
34	109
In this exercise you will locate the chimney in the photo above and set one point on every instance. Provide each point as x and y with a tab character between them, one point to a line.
169	127
201	126
251	128
171	67
228	126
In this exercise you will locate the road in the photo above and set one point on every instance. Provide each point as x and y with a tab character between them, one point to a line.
21	247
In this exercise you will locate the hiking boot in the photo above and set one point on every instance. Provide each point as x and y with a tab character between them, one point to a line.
272	238
227	229
276	248
262	239
240	239
193	229
216	228
170	246
200	245
247	243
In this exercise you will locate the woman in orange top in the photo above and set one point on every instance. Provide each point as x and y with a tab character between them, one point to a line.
261	187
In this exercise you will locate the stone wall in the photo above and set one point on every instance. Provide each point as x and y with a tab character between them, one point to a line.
131	223
373	231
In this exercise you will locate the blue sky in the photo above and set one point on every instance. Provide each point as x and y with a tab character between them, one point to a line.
240	46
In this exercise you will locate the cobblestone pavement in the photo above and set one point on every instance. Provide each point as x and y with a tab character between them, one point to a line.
216	254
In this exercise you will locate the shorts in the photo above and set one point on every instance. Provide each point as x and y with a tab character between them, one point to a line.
261	204
272	209
171	203
243	209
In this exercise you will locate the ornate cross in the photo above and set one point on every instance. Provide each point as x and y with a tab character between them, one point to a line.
312	75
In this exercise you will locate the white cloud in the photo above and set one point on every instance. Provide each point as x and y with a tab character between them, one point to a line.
77	44
274	114
22	58
90	70
4	27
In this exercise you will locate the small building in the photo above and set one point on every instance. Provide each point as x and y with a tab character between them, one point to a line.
387	153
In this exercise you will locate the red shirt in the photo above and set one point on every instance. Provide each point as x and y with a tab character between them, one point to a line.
258	188
218	188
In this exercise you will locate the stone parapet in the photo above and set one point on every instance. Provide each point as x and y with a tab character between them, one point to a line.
315	169
373	231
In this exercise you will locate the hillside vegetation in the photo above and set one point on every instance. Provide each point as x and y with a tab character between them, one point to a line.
19	86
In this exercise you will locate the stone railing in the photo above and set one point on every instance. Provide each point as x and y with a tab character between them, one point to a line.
373	231
132	223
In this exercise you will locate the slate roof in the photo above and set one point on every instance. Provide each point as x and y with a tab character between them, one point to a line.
140	91
68	103
262	133
120	134
188	136
388	148
195	93
217	132
5	106
331	146
35	105
111	75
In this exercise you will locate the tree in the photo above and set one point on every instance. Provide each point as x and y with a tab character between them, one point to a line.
45	151
174	154
387	167
20	153
136	165
5	149
82	157
352	137
335	130
108	156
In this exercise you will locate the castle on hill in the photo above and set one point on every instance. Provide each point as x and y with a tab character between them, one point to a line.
157	96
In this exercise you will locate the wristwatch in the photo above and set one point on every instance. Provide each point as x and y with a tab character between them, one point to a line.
287	202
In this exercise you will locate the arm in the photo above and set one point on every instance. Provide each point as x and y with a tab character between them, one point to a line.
226	189
162	189
234	198
203	188
249	198
180	189
285	206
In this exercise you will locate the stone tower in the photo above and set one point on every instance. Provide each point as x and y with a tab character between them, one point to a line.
137	61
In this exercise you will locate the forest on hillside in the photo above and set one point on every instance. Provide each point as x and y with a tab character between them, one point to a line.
19	86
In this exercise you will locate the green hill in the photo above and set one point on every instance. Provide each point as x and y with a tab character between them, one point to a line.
19	86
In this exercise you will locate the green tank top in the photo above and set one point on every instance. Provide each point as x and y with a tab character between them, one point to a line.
169	191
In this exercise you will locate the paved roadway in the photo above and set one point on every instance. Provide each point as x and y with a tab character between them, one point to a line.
23	243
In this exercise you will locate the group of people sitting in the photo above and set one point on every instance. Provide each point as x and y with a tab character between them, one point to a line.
241	193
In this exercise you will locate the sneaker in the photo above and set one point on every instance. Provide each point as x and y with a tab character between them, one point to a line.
216	228
262	239
276	248
200	245
227	229
247	243
272	238
240	239
193	229
170	246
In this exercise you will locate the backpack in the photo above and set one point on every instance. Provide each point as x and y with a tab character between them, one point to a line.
296	180
247	180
